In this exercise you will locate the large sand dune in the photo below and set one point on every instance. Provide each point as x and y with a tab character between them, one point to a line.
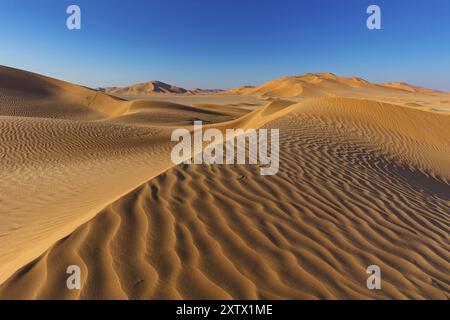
157	88
309	85
87	180
150	87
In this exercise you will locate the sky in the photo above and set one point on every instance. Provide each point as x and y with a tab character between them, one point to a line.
226	43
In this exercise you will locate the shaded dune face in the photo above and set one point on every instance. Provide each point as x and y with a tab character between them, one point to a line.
87	180
27	94
24	84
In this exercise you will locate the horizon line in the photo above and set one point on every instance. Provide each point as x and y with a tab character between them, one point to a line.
225	88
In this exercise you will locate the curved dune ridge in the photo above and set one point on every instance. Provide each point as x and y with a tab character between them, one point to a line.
361	182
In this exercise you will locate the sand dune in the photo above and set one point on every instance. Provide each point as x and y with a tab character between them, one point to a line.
27	94
408	87
88	180
324	84
149	87
156	88
307	85
299	88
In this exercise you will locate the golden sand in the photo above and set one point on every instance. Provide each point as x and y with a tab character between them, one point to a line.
87	179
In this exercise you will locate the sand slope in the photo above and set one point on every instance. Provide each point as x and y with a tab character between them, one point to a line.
28	94
361	182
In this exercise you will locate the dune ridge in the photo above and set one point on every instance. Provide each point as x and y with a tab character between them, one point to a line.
361	182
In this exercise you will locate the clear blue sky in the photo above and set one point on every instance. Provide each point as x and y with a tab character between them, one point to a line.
224	43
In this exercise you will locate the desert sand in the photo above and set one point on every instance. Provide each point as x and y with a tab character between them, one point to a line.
87	179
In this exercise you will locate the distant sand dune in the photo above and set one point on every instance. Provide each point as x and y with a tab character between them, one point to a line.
157	88
318	85
150	87
89	181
